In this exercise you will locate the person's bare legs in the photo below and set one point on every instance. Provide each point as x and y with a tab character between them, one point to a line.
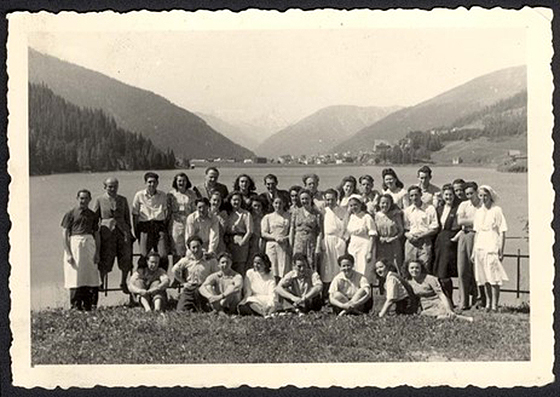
495	296
145	303
489	297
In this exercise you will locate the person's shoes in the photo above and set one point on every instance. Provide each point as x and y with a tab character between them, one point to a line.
342	313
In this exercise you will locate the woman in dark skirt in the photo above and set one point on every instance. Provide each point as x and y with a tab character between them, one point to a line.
445	249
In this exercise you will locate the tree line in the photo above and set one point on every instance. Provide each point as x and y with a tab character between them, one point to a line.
64	137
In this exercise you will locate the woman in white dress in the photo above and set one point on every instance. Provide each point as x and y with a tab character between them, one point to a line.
362	231
334	224
275	231
258	286
180	202
489	241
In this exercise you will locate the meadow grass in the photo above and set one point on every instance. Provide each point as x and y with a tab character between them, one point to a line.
122	335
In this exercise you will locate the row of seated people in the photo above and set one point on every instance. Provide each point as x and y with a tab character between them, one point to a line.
210	284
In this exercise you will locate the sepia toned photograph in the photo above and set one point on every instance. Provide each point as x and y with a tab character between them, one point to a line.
292	194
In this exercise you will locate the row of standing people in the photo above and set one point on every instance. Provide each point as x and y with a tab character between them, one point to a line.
355	218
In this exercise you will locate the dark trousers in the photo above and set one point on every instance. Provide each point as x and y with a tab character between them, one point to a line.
82	298
153	236
191	300
364	308
314	304
407	305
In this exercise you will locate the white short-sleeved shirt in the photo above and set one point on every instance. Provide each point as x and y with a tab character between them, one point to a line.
348	286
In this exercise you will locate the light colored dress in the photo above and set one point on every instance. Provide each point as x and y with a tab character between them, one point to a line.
489	224
428	291
180	205
360	228
277	225
259	290
334	225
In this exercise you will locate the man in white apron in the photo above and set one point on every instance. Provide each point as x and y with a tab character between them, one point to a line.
81	252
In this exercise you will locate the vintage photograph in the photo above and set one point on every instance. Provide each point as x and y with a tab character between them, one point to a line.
308	188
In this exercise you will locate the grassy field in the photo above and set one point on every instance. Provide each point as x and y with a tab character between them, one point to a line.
122	335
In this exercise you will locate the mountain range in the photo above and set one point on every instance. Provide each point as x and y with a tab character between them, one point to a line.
167	125
442	110
322	130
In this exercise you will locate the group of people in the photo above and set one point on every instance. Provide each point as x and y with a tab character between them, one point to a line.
291	250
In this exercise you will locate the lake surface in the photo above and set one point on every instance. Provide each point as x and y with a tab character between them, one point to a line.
51	196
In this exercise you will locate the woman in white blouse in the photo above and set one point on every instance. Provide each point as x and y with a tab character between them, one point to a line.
258	286
490	227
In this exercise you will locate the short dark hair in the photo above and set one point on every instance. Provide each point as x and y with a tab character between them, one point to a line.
270	176
407	263
211	169
459	180
202	200
194	238
447	186
366	176
425	169
149	175
153	254
331	191
414	187
299	256
179	175
472	184
347	257
265	258
307	176
83	191
226	254
388	265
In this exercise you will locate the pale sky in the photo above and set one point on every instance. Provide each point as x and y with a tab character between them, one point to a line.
292	73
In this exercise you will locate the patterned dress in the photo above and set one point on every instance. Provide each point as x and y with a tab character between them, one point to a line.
306	227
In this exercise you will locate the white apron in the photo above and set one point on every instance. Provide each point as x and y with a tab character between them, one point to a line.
85	274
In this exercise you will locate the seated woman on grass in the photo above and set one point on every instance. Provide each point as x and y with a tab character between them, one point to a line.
259	285
191	272
350	292
300	289
398	292
433	301
148	284
223	288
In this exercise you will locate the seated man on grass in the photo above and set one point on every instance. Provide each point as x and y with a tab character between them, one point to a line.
223	288
148	284
191	272
350	292
300	289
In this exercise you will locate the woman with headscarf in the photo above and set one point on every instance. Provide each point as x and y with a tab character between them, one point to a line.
489	241
444	266
362	231
370	196
393	186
